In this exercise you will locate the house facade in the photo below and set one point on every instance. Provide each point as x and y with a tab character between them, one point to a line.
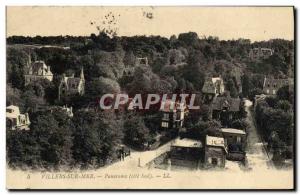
67	110
260	53
15	120
71	85
225	109
271	85
37	70
172	114
212	87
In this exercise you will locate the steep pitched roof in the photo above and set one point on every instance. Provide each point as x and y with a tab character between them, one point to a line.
233	104
39	66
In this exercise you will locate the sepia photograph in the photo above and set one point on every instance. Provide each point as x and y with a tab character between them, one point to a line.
150	97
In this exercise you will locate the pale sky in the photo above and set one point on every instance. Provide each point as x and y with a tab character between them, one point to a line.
255	23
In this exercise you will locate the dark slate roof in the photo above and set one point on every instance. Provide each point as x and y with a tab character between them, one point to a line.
232	103
37	65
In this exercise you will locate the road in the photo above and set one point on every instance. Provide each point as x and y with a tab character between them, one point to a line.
257	155
139	159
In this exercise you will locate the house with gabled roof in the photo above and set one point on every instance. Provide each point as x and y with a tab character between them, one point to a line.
215	152
186	152
225	109
71	85
37	70
15	120
235	142
173	114
212	87
260	53
271	85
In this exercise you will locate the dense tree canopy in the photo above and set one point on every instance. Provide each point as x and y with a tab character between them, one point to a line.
175	65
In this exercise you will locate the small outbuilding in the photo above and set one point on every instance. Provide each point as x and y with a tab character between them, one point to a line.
186	152
215	152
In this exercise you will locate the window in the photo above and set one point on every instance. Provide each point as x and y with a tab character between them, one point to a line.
274	91
238	139
268	90
166	116
165	124
214	161
9	110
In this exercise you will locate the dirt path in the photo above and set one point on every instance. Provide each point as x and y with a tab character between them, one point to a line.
257	156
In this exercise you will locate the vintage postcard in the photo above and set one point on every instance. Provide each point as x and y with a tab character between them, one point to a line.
150	97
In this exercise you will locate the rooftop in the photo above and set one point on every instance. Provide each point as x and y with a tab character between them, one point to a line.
187	143
233	104
233	131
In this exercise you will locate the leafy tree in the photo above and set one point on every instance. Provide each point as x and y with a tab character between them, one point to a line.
47	144
136	133
188	39
96	138
31	101
286	93
254	92
232	88
53	138
240	124
203	128
98	87
284	105
22	150
16	61
13	96
246	85
193	72
108	64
